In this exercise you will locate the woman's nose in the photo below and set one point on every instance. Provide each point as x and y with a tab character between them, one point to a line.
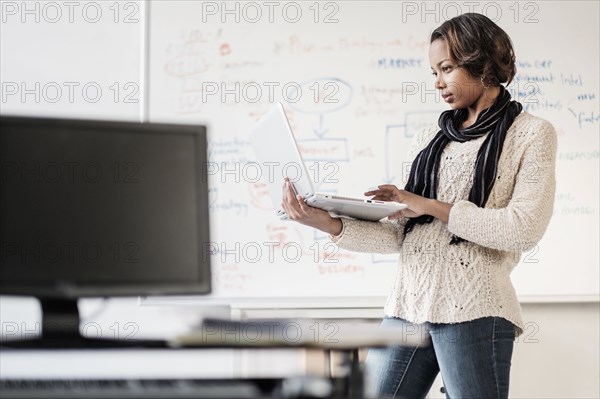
439	83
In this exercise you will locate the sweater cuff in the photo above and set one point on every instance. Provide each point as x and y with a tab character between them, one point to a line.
458	219
336	239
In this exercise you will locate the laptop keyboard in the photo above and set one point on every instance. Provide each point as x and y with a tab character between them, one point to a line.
129	388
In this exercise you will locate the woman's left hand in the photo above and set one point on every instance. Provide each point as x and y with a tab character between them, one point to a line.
417	205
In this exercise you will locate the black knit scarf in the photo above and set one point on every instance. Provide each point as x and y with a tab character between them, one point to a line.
496	120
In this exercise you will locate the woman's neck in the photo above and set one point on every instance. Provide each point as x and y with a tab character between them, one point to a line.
487	98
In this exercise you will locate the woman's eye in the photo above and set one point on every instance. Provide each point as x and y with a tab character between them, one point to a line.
446	68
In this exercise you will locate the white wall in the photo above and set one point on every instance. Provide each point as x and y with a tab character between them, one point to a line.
557	355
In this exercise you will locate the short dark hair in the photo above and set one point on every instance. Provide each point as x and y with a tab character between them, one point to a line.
480	46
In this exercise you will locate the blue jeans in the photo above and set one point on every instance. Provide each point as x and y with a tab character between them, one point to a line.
473	357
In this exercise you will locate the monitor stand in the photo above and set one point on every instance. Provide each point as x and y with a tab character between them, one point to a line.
60	330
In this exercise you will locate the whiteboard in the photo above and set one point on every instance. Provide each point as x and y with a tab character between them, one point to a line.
355	81
223	65
80	59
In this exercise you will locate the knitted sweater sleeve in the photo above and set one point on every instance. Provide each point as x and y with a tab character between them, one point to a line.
370	237
522	223
383	236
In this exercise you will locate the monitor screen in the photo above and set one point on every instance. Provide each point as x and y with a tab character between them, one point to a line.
98	208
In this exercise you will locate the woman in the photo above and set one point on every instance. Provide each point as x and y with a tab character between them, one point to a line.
480	192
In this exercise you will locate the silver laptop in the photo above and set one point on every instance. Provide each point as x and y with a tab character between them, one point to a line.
278	156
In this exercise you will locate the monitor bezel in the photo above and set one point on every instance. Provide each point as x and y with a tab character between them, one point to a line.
74	290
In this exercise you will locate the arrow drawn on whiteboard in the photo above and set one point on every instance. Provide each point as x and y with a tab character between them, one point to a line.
321	130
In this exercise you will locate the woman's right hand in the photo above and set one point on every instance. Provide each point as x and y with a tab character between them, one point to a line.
296	209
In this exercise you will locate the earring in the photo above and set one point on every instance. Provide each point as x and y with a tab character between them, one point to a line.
483	83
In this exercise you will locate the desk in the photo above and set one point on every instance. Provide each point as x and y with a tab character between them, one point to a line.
188	352
181	364
345	336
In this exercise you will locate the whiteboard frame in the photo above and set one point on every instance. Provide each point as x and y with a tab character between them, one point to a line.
367	302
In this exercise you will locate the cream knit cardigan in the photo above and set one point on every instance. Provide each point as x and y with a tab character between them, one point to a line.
443	283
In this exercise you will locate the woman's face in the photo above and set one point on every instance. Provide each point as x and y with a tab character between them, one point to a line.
458	88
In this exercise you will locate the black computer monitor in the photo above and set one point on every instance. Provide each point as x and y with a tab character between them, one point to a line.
99	209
